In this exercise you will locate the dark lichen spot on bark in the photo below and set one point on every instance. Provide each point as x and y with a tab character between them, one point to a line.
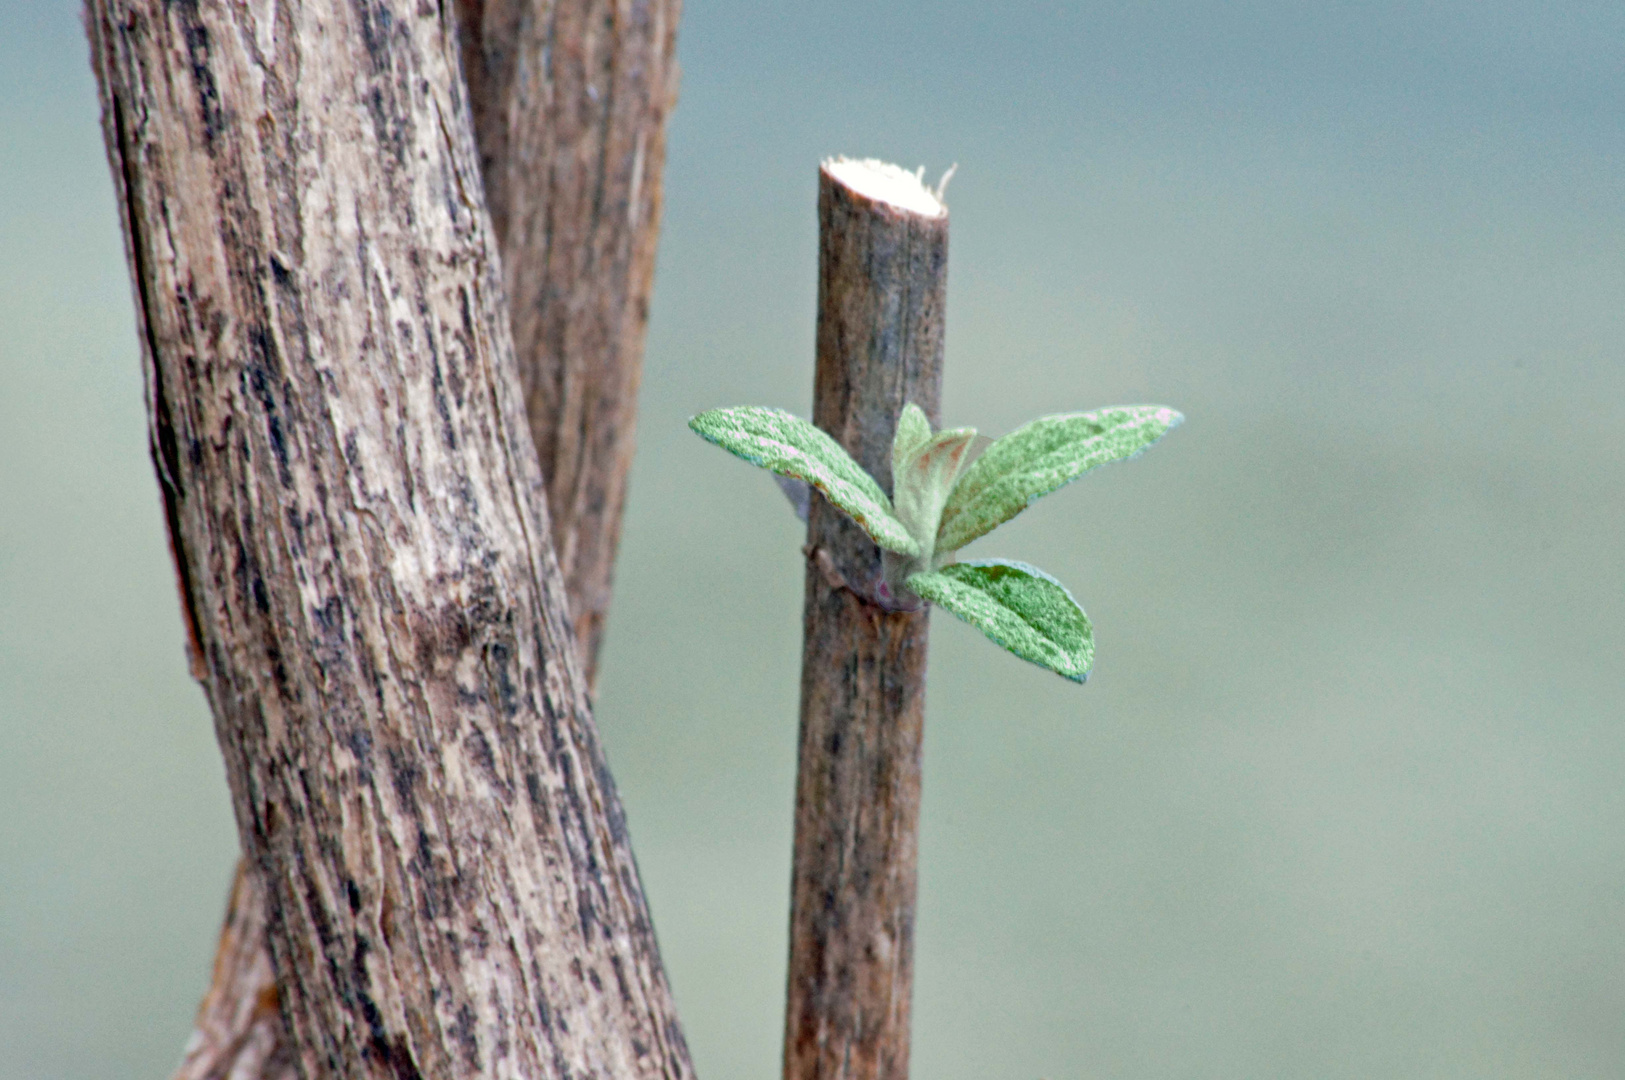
279	671
265	823
454	375
586	913
317	911
538	801
480	936
572	819
259	377
465	309
483	606
614	810
389	133
618	967
279	448
479	750
544	1011
440	633
375	21
448	433
499	668
380	1047
360	743
674	1037
250	582
296	528
423	862
463	1032
389	115
500	1030
454	380
401	1061
197	56
378	1035
405	774
328	620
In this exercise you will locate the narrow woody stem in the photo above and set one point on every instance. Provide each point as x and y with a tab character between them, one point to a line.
882	276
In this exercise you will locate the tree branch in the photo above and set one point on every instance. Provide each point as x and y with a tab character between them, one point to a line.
570	103
882	283
361	533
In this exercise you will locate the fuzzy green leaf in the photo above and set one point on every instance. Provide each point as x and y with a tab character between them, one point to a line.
790	446
1019	607
921	485
913	429
1039	457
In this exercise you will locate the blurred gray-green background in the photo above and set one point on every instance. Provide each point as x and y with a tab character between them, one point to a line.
1343	798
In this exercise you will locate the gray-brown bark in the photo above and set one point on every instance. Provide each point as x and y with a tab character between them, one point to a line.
570	99
362	541
239	1033
882	278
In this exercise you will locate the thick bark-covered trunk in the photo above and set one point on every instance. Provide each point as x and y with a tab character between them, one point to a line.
361	537
596	212
570	102
882	277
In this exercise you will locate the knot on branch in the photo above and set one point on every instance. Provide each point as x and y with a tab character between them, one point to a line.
877	593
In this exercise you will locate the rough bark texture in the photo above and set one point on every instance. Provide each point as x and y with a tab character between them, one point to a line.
238	1034
881	286
361	535
570	101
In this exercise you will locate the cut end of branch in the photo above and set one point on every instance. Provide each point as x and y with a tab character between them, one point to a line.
889	184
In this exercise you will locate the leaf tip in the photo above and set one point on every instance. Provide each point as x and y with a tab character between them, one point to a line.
704	424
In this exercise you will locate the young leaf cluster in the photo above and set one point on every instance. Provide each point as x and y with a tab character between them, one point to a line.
945	496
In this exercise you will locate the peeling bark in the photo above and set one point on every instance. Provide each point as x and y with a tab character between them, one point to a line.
361	538
882	282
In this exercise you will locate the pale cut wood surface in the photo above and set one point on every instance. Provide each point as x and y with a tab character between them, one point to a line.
361	537
882	276
570	100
